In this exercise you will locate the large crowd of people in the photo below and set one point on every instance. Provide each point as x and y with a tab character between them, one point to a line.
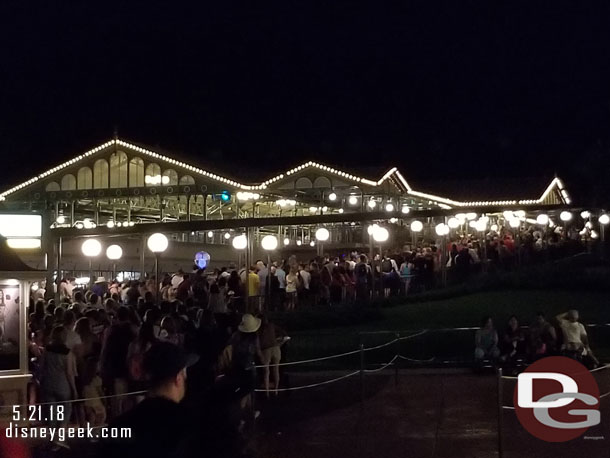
93	344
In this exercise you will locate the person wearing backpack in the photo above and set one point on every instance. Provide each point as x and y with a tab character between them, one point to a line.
362	274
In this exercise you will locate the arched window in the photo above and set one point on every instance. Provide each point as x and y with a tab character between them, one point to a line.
100	174
136	172
84	178
303	183
187	179
170	177
52	186
68	182
118	170
321	182
153	175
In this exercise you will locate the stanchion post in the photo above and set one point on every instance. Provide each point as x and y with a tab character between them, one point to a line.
362	375
397	358
500	413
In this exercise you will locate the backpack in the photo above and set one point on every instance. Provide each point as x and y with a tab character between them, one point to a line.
386	266
361	272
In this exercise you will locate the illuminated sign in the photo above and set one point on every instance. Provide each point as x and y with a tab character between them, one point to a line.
23	232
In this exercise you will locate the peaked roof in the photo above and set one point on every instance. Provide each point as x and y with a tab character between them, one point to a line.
463	194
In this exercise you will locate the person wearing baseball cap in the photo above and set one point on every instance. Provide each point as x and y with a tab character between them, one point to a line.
159	424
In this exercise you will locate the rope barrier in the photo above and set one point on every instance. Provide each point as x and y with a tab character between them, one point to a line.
313	385
133	393
304	361
418	360
340	355
379	369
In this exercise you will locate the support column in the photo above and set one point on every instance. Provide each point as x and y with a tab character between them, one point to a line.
142	257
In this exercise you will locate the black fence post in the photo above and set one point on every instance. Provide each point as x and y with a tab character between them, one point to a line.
500	413
397	358
362	374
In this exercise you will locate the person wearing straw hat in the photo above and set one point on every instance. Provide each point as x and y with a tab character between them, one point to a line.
100	287
245	349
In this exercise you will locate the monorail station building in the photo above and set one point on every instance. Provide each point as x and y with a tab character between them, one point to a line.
120	193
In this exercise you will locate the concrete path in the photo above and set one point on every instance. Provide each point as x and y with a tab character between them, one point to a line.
427	414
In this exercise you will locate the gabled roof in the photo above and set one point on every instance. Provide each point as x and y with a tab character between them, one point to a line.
462	194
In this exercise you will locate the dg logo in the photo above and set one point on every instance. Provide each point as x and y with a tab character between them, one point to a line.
557	399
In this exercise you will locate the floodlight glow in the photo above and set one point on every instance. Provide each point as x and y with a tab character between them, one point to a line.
157	243
23	244
604	219
332	196
417	226
240	242
565	216
380	234
269	242
353	200
91	248
114	252
453	222
542	219
322	234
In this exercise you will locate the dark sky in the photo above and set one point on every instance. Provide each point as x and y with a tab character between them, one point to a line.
441	89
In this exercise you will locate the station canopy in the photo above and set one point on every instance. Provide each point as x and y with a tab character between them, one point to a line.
123	183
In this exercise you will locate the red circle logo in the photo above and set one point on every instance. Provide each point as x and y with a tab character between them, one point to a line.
556	399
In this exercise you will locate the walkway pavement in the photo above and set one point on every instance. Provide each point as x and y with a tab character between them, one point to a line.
427	414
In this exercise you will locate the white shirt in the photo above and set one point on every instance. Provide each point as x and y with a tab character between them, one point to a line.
572	331
72	339
306	278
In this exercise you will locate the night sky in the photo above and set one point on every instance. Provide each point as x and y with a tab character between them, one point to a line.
457	89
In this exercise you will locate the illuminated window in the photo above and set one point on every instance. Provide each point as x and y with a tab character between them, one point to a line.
153	175
170	177
100	174
52	186
303	183
118	170
68	182
136	172
84	178
187	179
321	182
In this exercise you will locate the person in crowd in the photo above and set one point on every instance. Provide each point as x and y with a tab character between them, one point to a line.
160	425
169	332
246	349
486	341
113	362
292	288
253	286
100	287
57	376
363	279
263	273
217	301
234	284
543	338
271	337
575	338
513	345
406	269
280	272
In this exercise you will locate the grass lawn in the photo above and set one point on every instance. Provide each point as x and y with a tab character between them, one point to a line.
463	311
